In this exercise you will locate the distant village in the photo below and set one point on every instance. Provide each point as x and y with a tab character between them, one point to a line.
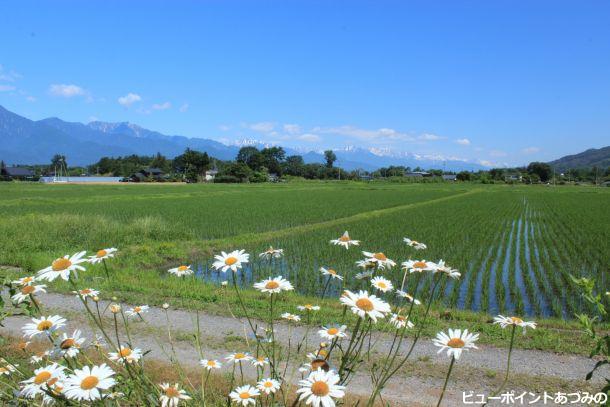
252	165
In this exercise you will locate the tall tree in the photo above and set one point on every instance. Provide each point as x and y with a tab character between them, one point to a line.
330	157
542	170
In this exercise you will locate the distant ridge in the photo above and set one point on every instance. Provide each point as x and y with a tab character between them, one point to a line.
25	141
593	157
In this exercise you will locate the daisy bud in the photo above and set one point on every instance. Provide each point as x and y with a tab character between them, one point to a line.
95	298
114	299
165	306
115	308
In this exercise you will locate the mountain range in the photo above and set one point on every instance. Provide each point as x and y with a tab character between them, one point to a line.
25	141
593	157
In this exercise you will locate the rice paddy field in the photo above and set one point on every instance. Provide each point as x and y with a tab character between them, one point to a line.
516	246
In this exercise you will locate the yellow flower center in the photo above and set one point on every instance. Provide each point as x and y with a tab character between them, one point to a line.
211	363
268	384
52	381
182	268
231	261
332	331
380	256
333	272
44	325
137	309
239	356
172	392
419	265
85	291
28	289
67	343
401	318
3	370
322	352
456	343
125	352
365	304
42	377
27	280
320	389
244	395
272	285
60	264
308	306
344	238
101	253
89	382
381	284
516	320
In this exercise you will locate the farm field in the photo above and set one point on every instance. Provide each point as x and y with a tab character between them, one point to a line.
516	247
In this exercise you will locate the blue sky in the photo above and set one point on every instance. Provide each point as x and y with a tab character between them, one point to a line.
498	82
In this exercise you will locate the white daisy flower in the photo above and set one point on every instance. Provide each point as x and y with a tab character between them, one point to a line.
210	364
69	345
308	307
455	342
43	325
137	311
291	317
321	388
43	376
330	272
172	395
230	261
332	332
62	267
408	297
364	304
508	321
268	386
181	271
367	265
441	267
34	359
244	395
418	266
238	357
125	355
24	292
88	382
345	241
102	255
260	361
271	253
86	293
379	259
400	321
6	369
414	244
24	281
382	284
274	285
364	274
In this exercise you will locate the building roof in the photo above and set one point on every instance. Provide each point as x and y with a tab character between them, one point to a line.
154	171
449	177
18	172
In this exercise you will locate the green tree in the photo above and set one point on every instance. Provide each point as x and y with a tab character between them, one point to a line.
542	170
330	157
294	165
463	176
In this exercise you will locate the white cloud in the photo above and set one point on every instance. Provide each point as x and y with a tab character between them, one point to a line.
6	88
530	150
30	99
66	91
224	127
184	107
162	106
382	134
292	128
93	119
261	127
463	141
430	137
11	76
129	99
486	163
313	138
497	153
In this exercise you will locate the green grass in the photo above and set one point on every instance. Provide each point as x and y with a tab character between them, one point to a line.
158	226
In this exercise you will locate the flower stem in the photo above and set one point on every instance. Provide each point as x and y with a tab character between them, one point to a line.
446	381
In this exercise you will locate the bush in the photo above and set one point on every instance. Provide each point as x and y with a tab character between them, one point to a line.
226	179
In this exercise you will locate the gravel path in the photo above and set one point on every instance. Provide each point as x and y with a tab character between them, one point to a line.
419	386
